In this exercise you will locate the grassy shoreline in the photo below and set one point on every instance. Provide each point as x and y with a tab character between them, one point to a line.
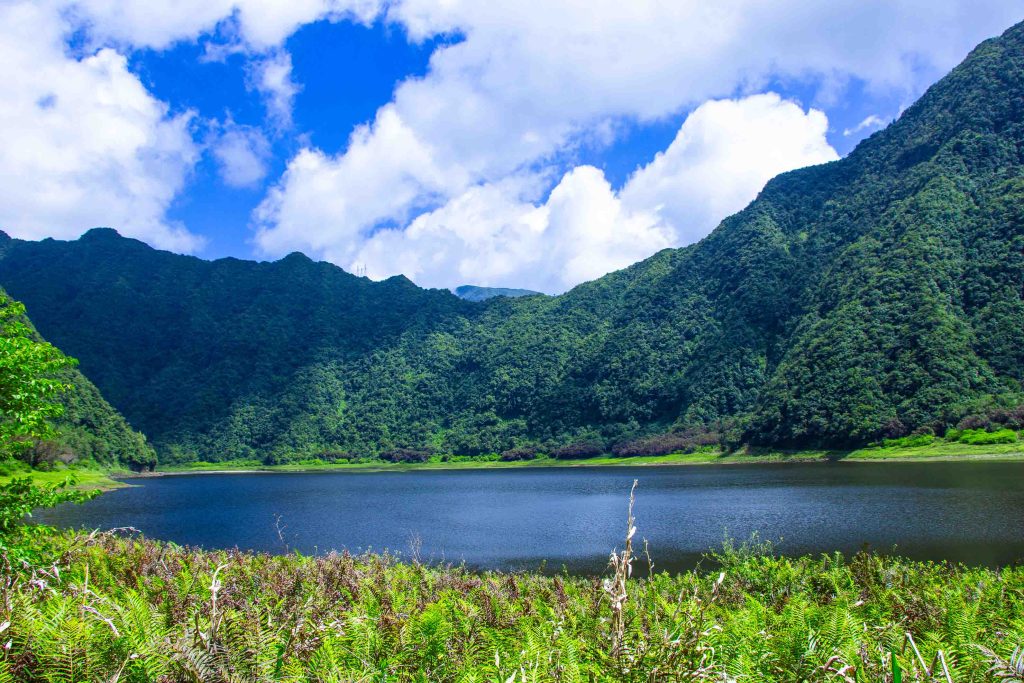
938	452
86	478
109	479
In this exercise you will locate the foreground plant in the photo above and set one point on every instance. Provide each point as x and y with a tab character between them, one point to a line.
116	608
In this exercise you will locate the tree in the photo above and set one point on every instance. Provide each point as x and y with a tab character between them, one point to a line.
28	385
28	393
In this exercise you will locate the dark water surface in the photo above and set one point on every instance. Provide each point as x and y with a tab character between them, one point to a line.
514	518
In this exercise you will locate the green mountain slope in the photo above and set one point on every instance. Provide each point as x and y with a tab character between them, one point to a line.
89	429
850	301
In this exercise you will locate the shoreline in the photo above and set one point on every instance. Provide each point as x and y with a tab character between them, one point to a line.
1015	453
108	480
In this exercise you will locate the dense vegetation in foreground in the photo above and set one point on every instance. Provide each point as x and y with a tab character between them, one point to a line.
108	608
860	300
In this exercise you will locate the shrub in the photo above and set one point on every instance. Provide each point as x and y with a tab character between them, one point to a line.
894	429
335	456
1011	418
521	453
405	455
666	444
576	451
46	454
974	422
909	441
980	437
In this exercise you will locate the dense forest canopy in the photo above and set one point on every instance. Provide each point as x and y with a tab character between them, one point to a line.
864	298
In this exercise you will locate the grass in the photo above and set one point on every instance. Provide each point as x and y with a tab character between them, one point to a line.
942	450
110	608
936	450
88	478
462	464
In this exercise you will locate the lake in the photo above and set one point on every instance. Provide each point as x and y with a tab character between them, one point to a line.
517	518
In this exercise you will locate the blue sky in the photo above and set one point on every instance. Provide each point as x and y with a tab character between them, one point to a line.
503	144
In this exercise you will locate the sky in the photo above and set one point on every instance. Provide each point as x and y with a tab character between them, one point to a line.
503	143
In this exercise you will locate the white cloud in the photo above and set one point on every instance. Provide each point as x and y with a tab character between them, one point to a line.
342	196
490	236
722	156
82	143
241	153
871	121
260	25
272	76
524	89
493	234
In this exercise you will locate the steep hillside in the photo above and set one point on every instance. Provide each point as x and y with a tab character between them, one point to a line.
858	299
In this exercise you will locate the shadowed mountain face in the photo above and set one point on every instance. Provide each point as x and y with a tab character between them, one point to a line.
865	297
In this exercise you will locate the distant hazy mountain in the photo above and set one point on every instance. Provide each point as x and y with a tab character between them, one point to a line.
474	293
857	299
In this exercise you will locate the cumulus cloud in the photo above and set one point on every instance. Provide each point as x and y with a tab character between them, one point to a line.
722	156
489	235
492	234
82	143
522	90
258	25
343	196
241	153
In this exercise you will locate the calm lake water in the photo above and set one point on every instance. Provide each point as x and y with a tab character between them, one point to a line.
514	519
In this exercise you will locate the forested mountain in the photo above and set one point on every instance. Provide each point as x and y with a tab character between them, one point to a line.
89	428
863	298
210	355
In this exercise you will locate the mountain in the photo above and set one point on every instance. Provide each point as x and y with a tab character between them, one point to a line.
90	429
474	293
863	298
210	357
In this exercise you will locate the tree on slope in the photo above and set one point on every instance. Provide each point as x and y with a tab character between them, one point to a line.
29	391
